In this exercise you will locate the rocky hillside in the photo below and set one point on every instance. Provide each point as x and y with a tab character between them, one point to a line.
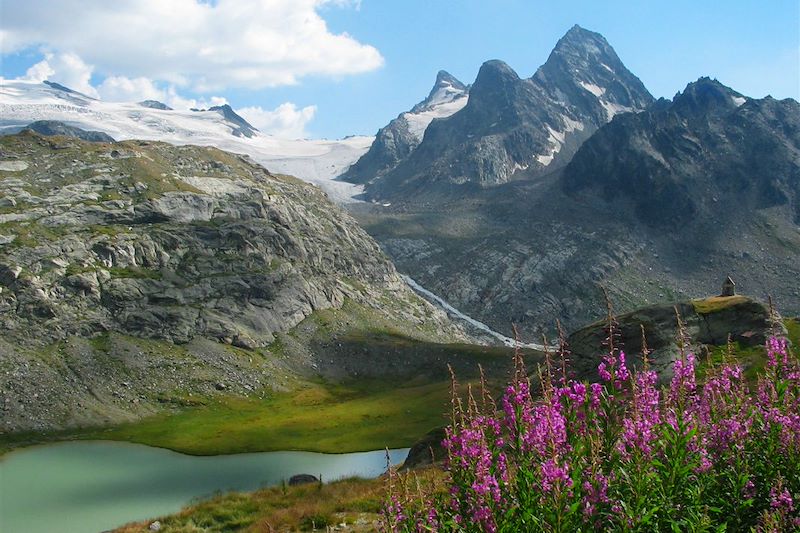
137	271
655	206
517	128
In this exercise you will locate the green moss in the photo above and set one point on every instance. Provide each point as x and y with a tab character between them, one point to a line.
101	342
793	328
717	303
31	234
134	272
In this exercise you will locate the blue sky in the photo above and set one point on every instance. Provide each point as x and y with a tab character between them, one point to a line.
336	85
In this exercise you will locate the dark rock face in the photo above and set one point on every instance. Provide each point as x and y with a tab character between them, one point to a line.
709	154
60	87
426	451
242	128
55	127
744	320
395	142
512	125
155	104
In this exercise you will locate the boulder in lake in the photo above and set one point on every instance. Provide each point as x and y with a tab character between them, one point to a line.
302	479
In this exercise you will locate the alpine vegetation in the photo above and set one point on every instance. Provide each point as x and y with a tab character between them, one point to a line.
710	451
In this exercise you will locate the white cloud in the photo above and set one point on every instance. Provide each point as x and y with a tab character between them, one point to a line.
65	68
285	121
122	89
189	43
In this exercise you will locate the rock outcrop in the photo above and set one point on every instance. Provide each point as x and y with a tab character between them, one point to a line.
171	242
55	127
711	321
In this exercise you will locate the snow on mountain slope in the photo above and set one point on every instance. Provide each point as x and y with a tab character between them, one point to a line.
418	122
447	97
315	161
395	141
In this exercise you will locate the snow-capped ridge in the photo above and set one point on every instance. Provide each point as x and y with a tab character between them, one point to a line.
447	97
315	161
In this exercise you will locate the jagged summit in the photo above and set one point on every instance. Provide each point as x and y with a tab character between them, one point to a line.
706	95
446	89
512	125
584	62
445	79
678	162
245	129
581	41
395	141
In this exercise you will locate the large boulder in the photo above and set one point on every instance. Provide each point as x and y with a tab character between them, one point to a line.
708	321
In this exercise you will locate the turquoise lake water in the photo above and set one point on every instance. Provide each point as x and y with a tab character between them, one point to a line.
85	487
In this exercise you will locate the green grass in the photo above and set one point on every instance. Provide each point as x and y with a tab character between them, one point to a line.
134	272
321	418
716	303
793	327
353	501
752	359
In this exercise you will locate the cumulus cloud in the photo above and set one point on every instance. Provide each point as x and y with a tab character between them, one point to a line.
286	120
124	89
197	44
65	68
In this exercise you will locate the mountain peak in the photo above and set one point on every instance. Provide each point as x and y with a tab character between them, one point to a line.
495	71
706	95
578	31
445	79
495	82
583	61
447	88
581	43
244	129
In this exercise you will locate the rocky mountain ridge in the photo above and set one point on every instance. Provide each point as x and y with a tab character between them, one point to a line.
395	141
513	127
687	159
656	205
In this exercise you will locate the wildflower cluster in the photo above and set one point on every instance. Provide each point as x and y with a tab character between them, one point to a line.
623	453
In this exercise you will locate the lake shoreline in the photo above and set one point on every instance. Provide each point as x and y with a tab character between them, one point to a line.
93	485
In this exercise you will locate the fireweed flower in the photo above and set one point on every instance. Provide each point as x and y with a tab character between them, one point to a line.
780	499
614	370
554	476
571	454
595	490
639	427
777	351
